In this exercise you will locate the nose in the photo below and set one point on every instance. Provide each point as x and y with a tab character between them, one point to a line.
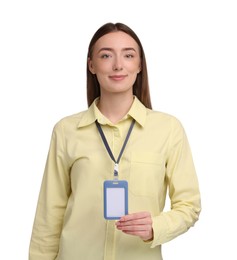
117	66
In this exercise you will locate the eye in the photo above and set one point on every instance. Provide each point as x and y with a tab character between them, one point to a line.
105	56
129	56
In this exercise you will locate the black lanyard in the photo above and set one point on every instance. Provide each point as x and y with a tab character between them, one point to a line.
108	148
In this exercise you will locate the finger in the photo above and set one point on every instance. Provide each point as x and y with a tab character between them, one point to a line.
135	228
134	216
145	235
143	221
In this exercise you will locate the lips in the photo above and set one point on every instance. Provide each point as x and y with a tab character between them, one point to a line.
117	77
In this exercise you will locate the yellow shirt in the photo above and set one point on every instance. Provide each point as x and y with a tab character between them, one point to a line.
69	222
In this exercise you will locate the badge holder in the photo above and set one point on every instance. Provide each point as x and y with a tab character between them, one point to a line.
115	191
115	199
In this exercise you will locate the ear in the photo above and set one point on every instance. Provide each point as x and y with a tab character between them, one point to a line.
139	69
90	66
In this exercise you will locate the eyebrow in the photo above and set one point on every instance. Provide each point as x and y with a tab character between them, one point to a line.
110	49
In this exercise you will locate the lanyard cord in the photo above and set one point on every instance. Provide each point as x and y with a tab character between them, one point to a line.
108	148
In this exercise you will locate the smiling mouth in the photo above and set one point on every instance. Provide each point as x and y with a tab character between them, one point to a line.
117	77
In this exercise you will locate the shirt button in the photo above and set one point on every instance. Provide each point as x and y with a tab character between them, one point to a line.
116	132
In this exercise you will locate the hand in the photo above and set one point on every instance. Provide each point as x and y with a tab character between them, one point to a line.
137	224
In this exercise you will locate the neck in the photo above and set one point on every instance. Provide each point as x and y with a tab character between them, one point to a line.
115	106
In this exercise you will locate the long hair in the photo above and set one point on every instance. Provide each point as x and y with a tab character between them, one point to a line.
140	87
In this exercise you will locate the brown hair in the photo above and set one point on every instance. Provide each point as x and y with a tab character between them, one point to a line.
140	87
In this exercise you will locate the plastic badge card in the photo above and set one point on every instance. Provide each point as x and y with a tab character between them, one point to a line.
115	199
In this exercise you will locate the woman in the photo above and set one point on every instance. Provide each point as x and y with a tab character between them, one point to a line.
69	222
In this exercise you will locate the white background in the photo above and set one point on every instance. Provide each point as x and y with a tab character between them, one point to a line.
191	51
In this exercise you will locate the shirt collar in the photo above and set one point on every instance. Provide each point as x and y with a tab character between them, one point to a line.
137	112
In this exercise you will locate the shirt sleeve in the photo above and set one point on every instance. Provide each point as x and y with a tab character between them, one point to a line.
52	201
183	190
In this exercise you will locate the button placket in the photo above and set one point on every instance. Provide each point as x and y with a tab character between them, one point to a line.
109	250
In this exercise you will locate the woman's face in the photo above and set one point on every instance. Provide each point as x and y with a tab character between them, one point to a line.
116	62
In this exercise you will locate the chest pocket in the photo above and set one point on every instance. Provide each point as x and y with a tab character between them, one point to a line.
147	173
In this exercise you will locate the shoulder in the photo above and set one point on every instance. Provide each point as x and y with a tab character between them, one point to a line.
166	125
69	122
162	118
